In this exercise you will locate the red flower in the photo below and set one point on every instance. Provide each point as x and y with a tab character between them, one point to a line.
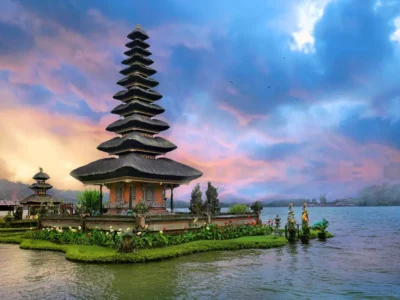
230	221
164	229
253	223
185	227
248	217
226	223
88	235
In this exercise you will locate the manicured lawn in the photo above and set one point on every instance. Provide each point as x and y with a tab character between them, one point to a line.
11	239
95	254
2	230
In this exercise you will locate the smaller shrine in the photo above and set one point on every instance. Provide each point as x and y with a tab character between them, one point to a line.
33	202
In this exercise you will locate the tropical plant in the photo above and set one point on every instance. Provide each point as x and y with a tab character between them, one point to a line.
196	202
238	209
88	201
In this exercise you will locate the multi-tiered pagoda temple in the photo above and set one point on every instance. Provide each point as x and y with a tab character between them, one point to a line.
135	171
40	187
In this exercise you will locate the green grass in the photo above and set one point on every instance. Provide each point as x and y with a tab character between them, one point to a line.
11	235
6	234
15	239
13	229
95	254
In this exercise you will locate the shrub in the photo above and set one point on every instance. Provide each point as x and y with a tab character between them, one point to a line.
256	207
141	207
238	209
145	239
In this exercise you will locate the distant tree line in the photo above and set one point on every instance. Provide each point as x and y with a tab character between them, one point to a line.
375	195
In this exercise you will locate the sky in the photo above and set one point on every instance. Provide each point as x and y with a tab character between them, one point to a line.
269	99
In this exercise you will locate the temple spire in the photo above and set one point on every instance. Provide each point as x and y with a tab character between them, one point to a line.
137	145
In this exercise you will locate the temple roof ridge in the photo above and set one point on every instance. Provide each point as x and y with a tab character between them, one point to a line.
140	122
137	141
138	105
138	33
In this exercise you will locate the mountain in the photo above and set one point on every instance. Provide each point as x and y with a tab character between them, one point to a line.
16	191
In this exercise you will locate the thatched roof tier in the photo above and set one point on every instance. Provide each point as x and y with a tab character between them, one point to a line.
137	106
137	59
137	121
138	68
135	167
39	199
40	186
41	175
137	50
139	79
138	33
137	43
8	203
138	93
134	141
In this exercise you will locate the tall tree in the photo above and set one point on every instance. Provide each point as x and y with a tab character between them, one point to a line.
322	199
196	202
212	199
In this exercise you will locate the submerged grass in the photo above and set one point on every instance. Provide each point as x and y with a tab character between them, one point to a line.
96	254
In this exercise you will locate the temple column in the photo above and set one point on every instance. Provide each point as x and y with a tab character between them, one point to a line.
101	200
130	197
172	199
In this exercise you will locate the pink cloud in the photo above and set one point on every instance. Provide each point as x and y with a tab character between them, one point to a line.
242	118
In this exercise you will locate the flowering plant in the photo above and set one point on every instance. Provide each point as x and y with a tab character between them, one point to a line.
141	207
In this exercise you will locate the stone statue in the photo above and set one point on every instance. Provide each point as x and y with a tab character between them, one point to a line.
304	225
291	224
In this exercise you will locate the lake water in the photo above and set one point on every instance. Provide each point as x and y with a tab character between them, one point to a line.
361	262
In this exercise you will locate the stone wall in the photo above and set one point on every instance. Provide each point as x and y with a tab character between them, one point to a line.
171	222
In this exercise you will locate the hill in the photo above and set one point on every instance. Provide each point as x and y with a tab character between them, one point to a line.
16	191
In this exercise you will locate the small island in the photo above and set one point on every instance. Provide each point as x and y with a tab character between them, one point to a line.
136	225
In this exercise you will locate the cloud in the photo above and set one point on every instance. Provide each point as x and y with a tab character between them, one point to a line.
392	171
309	12
268	101
242	118
5	171
396	34
343	39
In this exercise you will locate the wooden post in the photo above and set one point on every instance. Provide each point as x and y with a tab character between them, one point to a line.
130	197
101	200
172	199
